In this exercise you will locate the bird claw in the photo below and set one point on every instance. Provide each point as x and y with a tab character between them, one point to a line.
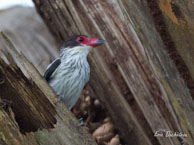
81	122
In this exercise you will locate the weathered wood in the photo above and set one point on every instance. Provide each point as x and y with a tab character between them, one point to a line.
132	75
66	26
176	22
27	116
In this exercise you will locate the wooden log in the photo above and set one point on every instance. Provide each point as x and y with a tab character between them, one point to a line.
132	75
27	116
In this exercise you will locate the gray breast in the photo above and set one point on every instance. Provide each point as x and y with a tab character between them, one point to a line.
68	81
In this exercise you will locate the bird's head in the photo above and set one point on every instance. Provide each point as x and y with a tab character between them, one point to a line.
80	44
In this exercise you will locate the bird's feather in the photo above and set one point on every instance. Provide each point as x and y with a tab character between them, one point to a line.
51	68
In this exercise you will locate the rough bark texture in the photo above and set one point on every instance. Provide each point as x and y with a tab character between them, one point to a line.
28	113
132	74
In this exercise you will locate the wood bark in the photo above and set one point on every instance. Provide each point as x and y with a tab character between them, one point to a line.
132	74
29	114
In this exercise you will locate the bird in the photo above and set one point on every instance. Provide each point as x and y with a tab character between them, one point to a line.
68	74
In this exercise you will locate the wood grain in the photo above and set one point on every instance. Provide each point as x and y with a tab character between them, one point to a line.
29	114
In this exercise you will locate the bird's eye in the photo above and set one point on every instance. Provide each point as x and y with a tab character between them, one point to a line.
81	39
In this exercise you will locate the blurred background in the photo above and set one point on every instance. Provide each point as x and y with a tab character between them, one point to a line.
10	3
23	25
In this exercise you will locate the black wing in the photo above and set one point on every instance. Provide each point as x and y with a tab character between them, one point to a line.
51	68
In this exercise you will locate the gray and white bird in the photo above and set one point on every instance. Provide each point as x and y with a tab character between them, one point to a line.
69	73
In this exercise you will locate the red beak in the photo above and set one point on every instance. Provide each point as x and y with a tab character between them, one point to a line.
94	42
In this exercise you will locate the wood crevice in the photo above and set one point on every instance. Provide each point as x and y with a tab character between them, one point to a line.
169	44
